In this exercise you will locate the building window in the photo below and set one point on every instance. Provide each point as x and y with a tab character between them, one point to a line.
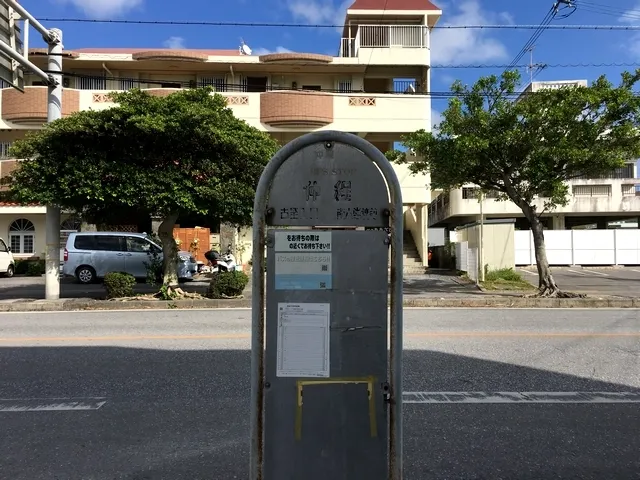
592	190
22	236
4	149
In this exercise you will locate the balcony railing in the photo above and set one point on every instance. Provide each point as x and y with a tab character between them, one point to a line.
621	173
385	36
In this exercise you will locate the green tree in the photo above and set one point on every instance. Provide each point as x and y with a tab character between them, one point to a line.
527	148
183	153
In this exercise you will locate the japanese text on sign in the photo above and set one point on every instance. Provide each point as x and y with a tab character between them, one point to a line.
303	241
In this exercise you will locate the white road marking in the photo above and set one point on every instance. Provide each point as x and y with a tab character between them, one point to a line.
577	272
50	404
530	273
634	270
521	397
597	273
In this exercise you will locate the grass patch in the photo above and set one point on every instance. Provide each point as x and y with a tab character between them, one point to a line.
505	279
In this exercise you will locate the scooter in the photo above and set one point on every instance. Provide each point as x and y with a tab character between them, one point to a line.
226	263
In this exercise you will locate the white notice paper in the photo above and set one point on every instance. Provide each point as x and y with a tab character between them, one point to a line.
303	340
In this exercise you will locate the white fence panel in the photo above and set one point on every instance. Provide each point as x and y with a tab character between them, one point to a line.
627	247
594	247
559	247
523	241
581	247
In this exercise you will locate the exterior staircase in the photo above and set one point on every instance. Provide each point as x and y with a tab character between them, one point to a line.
411	257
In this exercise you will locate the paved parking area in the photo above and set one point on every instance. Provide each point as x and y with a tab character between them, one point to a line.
618	281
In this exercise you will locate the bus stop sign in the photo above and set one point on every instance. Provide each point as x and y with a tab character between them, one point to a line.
326	380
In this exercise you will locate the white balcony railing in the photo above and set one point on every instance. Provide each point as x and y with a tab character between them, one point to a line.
385	36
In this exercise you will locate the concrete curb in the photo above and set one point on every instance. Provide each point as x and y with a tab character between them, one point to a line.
476	302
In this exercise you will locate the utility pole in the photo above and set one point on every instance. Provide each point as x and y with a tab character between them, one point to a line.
54	112
53	38
480	276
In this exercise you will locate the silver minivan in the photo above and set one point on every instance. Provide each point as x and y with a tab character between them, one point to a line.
91	255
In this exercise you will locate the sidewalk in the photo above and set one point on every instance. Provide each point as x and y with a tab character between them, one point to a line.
438	290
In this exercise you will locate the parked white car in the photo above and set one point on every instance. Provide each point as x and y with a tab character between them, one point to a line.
7	262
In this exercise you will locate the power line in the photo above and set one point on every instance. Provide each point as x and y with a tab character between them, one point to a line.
536	34
304	25
607	10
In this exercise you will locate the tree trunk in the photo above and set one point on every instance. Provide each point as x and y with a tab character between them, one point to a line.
169	251
547	286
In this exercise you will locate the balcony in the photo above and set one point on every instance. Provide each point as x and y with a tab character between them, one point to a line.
30	107
269	110
585	197
296	109
389	45
277	110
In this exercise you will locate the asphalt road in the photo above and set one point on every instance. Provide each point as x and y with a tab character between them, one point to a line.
619	281
164	395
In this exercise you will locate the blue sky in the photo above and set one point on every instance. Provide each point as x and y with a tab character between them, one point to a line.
459	47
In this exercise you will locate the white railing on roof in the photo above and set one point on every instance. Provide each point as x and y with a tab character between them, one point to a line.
385	36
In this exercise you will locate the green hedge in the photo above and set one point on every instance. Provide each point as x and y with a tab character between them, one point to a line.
227	284
119	285
30	267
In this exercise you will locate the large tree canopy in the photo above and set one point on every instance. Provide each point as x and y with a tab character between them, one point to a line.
182	153
527	148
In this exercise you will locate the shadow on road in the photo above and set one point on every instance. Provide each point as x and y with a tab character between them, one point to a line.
174	415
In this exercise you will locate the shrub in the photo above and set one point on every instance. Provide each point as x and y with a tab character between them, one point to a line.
119	285
154	269
227	284
35	269
23	265
504	274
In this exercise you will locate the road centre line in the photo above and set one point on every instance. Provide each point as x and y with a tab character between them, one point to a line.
50	404
21	405
521	397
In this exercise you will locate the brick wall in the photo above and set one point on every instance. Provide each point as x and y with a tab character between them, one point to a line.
31	106
296	108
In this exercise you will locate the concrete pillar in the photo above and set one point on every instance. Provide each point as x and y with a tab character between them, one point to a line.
228	236
558	222
155	224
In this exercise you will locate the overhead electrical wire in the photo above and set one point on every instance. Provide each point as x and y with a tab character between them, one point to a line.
305	25
603	9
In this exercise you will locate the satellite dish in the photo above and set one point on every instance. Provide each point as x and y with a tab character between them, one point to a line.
244	49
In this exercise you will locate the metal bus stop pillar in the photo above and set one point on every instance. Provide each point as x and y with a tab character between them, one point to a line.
326	356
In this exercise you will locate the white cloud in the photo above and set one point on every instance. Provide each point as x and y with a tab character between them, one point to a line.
318	12
460	46
265	51
174	43
631	16
103	9
632	45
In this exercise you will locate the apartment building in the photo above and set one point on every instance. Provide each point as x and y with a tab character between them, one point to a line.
610	201
375	86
